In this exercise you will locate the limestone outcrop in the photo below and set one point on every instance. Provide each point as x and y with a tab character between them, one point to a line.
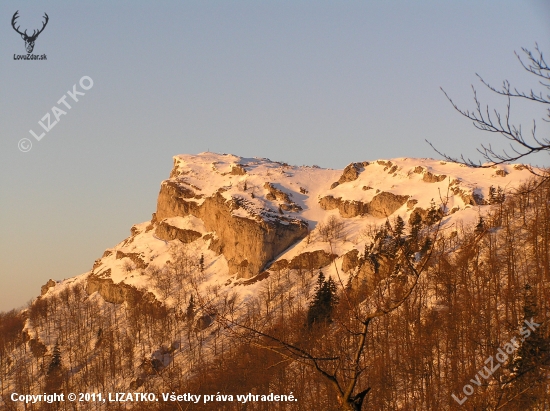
117	293
350	173
433	178
111	292
350	260
168	232
250	217
312	260
347	208
46	287
136	258
385	204
309	260
382	205
469	197
248	243
275	194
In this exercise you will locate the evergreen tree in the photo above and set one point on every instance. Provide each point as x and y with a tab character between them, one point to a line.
426	246
348	287
496	195
320	281
492	195
433	215
201	263
55	364
324	301
190	312
54	376
533	355
480	226
399	227
416	226
398	239
500	197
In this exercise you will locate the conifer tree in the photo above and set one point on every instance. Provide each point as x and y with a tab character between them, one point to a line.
416	225
492	195
433	215
496	195
533	355
54	373
426	247
399	227
201	263
55	364
480	226
348	287
324	301
500	195
190	312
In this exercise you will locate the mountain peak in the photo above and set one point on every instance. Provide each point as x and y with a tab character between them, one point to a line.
247	215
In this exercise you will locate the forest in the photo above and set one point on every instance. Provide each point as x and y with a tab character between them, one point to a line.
448	317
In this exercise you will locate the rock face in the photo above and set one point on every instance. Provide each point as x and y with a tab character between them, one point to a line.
352	208
117	293
385	204
347	208
350	260
203	322
274	194
167	232
433	178
366	279
238	170
330	203
310	260
135	257
411	203
247	243
44	289
111	292
470	197
244	216
351	173
382	205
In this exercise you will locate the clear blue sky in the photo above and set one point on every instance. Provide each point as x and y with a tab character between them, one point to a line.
306	82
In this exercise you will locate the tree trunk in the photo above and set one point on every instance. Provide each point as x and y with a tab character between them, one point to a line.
355	403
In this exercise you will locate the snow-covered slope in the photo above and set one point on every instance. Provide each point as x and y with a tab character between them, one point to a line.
243	215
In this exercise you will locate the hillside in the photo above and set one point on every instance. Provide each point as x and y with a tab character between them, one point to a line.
244	214
242	241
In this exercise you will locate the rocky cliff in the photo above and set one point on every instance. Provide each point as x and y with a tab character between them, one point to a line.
248	215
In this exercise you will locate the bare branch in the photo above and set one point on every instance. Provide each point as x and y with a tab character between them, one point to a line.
483	120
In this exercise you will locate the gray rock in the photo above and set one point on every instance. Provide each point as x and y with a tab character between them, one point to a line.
385	204
351	172
203	322
167	232
350	260
44	289
256	240
433	178
311	260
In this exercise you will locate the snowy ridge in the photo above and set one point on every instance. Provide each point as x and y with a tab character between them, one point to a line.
296	195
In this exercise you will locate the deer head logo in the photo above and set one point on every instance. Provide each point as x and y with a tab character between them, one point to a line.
29	40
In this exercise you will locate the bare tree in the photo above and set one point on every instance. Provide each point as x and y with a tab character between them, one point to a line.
337	352
494	121
332	229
